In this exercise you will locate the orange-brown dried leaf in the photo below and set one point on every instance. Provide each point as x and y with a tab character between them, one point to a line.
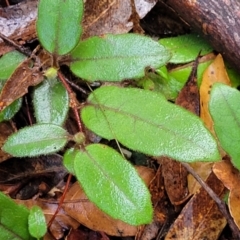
175	180
88	214
6	130
85	212
203	169
200	218
230	177
216	72
17	85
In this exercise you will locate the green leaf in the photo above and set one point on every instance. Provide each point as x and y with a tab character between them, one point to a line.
185	48
68	159
225	111
116	57
9	62
36	140
144	121
51	102
14	220
11	110
113	184
58	24
36	222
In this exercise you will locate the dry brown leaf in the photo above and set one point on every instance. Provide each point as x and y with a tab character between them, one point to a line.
230	177
175	180
111	16
88	214
6	130
200	218
103	16
159	199
17	85
18	21
215	72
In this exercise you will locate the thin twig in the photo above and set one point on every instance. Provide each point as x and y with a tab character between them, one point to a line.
61	201
77	87
219	202
21	49
73	100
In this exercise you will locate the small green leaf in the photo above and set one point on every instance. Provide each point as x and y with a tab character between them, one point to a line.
225	111
51	102
185	48
117	57
36	222
113	184
68	159
9	62
14	220
58	24
144	121
36	140
11	110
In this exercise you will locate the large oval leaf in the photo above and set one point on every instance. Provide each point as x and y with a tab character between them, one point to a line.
58	24
225	111
50	101
146	122
113	184
36	140
116	57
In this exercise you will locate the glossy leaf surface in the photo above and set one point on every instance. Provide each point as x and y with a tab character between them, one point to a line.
58	24
14	220
116	57
225	111
144	121
36	140
36	222
113	184
185	48
51	101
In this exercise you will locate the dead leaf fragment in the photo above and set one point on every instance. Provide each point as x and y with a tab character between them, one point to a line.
18	21
6	130
111	16
159	199
175	180
230	177
17	85
200	218
215	72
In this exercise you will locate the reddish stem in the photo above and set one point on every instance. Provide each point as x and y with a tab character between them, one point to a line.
61	201
73	100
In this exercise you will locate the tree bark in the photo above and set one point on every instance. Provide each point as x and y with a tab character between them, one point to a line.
218	20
